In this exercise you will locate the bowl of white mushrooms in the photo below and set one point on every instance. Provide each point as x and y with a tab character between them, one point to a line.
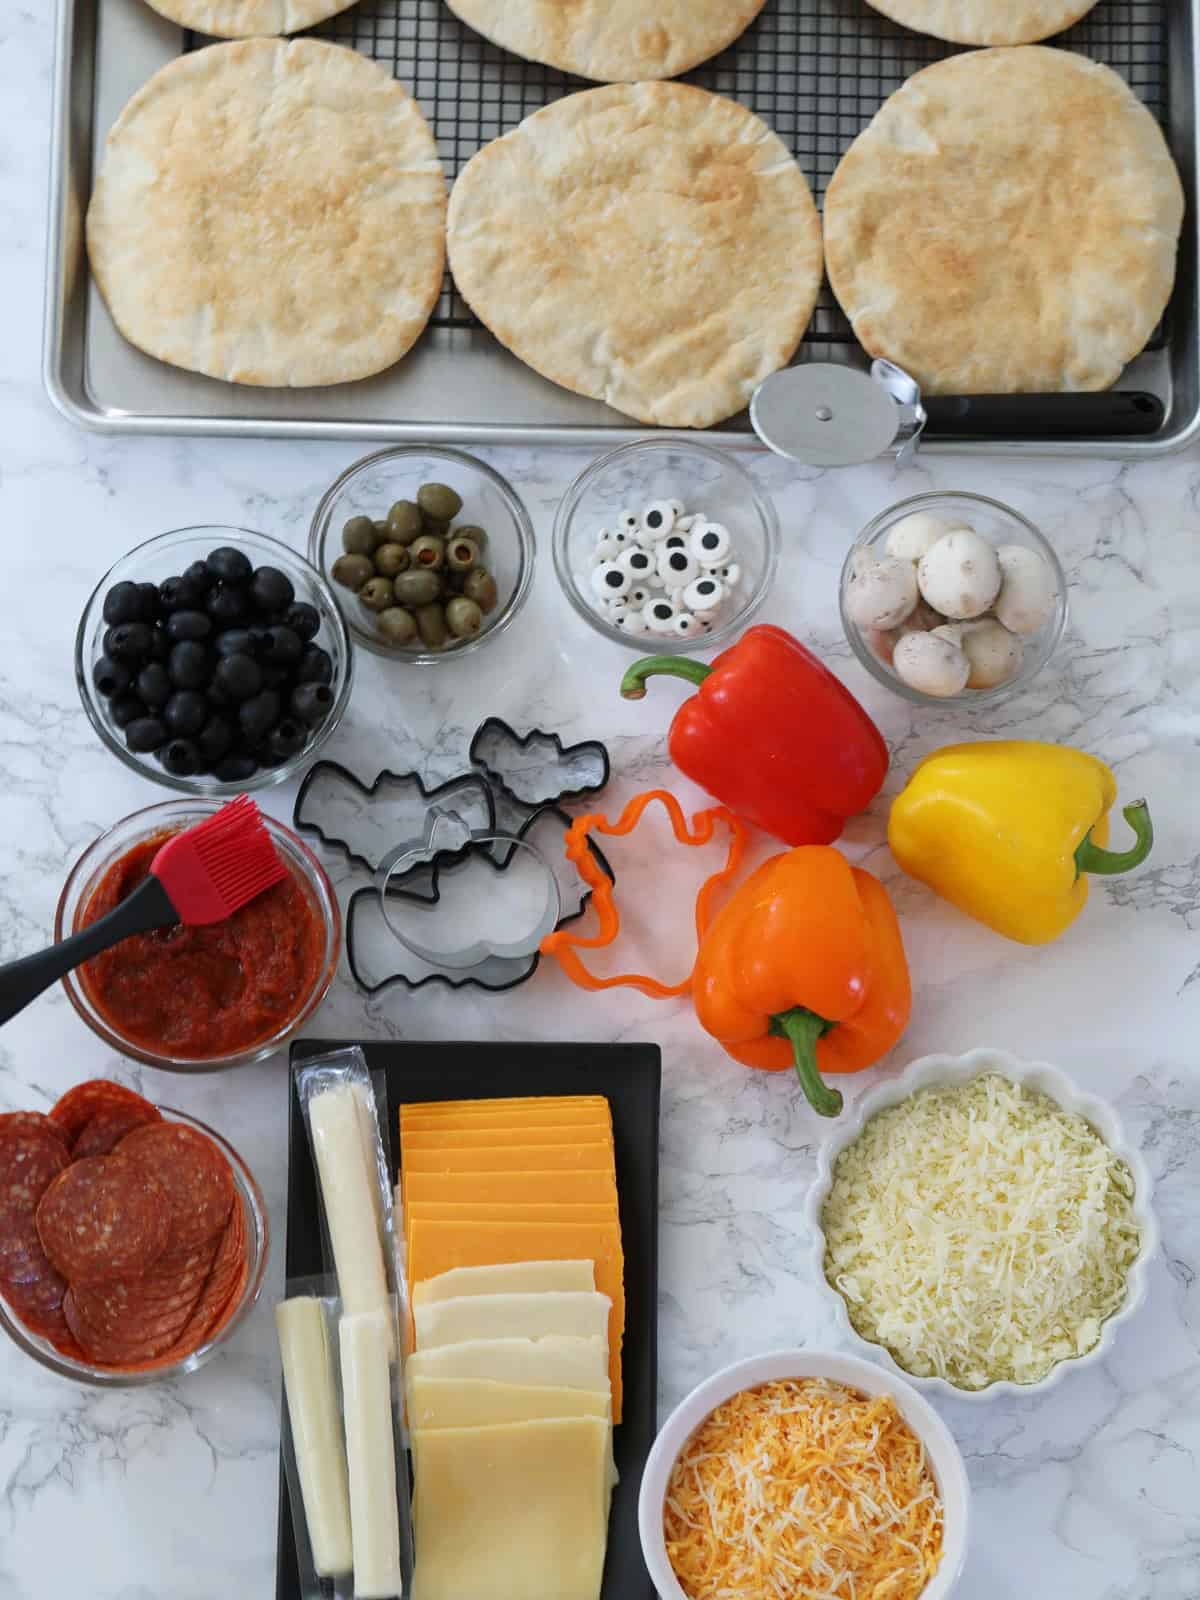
953	597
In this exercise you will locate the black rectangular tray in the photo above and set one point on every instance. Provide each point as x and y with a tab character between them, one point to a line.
629	1076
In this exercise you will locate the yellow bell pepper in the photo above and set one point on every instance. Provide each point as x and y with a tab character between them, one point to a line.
1007	830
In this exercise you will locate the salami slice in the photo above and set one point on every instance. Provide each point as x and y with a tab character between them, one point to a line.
104	1217
193	1172
106	1127
32	1154
80	1104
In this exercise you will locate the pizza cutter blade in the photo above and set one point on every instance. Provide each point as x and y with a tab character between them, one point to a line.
829	415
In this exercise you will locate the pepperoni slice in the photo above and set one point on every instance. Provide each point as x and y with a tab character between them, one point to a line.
32	1154
104	1217
137	1347
37	1299
222	1292
105	1128
79	1105
193	1172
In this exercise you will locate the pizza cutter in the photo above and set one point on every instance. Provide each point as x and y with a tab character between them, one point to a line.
826	414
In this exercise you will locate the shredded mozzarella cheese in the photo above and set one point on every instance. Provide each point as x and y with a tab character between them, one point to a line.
980	1232
803	1488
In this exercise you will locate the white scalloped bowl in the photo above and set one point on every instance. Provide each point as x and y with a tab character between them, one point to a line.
1050	1081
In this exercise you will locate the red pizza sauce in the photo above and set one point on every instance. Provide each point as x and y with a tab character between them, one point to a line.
210	991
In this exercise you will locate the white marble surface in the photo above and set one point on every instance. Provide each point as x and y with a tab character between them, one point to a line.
1091	1493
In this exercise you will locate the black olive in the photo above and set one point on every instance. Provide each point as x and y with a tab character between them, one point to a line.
271	590
185	713
286	737
151	608
239	676
284	647
218	699
316	665
122	603
216	738
228	564
159	645
258	716
235	769
181	758
199	574
189	664
188	625
312	703
234	642
144	734
153	685
276	677
227	604
129	641
111	677
180	594
260	639
126	708
303	619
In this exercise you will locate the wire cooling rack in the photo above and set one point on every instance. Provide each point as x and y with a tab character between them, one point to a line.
815	70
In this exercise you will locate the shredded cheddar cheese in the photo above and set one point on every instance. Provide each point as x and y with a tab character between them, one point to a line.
803	1488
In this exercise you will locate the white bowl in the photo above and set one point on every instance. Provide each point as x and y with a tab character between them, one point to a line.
1050	1081
864	1376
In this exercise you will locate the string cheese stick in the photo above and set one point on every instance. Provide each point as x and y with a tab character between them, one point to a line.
371	1454
316	1432
348	1188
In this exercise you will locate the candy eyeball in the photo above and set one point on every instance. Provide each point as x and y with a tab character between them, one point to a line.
610	582
659	517
607	548
637	597
638	563
621	539
703	594
687	520
678	507
676	567
675	541
710	541
685	625
633	621
628	522
730	574
659	615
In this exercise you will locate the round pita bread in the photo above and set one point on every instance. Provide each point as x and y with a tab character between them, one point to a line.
270	212
248	19
613	41
985	21
1007	223
649	244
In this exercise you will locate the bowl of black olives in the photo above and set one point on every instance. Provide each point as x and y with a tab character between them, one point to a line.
429	552
213	660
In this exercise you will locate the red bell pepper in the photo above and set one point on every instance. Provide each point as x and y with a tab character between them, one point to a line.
773	735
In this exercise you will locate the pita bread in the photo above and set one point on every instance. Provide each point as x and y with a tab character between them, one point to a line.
985	21
613	41
270	212
649	244
248	19
1007	223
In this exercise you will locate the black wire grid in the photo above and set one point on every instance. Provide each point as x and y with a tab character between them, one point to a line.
815	70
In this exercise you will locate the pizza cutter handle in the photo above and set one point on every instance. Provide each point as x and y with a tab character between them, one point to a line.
1118	413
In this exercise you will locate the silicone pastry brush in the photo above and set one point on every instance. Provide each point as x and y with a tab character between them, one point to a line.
201	875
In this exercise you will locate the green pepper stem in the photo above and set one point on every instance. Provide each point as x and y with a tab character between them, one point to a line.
803	1028
633	684
1091	857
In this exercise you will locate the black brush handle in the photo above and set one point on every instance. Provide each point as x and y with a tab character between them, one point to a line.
1116	412
148	907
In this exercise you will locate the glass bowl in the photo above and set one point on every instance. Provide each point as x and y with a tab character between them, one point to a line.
998	524
705	480
368	488
170	553
249	1197
100	855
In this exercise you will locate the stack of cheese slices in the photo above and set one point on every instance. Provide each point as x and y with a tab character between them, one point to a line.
514	1267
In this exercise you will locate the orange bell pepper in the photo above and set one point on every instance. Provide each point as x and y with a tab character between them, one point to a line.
805	968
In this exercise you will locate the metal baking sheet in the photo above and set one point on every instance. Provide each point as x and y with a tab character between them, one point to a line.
815	69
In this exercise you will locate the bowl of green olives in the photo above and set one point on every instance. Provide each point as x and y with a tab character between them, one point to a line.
428	550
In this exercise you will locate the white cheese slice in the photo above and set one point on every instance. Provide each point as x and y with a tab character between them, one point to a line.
515	1511
573	1363
578	1315
478	1402
348	1188
371	1455
316	1431
508	1277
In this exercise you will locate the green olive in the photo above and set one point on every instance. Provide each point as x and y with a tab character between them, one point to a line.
404	521
382	530
431	625
463	617
391	559
428	552
352	571
453	582
377	595
417	588
468	530
481	587
397	625
359	537
461	554
439	501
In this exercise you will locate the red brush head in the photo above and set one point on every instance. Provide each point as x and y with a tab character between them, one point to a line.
212	870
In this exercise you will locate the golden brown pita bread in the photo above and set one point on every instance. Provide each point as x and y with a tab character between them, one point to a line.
248	19
985	21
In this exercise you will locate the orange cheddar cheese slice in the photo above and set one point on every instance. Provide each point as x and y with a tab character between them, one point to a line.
508	1188
475	1210
416	1110
595	1156
488	1138
601	1121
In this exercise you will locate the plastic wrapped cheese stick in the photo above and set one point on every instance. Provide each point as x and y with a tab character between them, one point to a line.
316	1431
348	1189
371	1454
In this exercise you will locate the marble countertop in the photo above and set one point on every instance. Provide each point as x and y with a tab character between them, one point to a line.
1088	1493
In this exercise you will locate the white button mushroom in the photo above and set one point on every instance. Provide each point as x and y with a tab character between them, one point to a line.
881	593
959	575
1027	594
912	536
931	664
993	654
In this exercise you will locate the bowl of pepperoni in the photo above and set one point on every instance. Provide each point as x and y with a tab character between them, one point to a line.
133	1238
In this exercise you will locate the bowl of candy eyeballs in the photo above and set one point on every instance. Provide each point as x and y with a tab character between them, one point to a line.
666	543
953	597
